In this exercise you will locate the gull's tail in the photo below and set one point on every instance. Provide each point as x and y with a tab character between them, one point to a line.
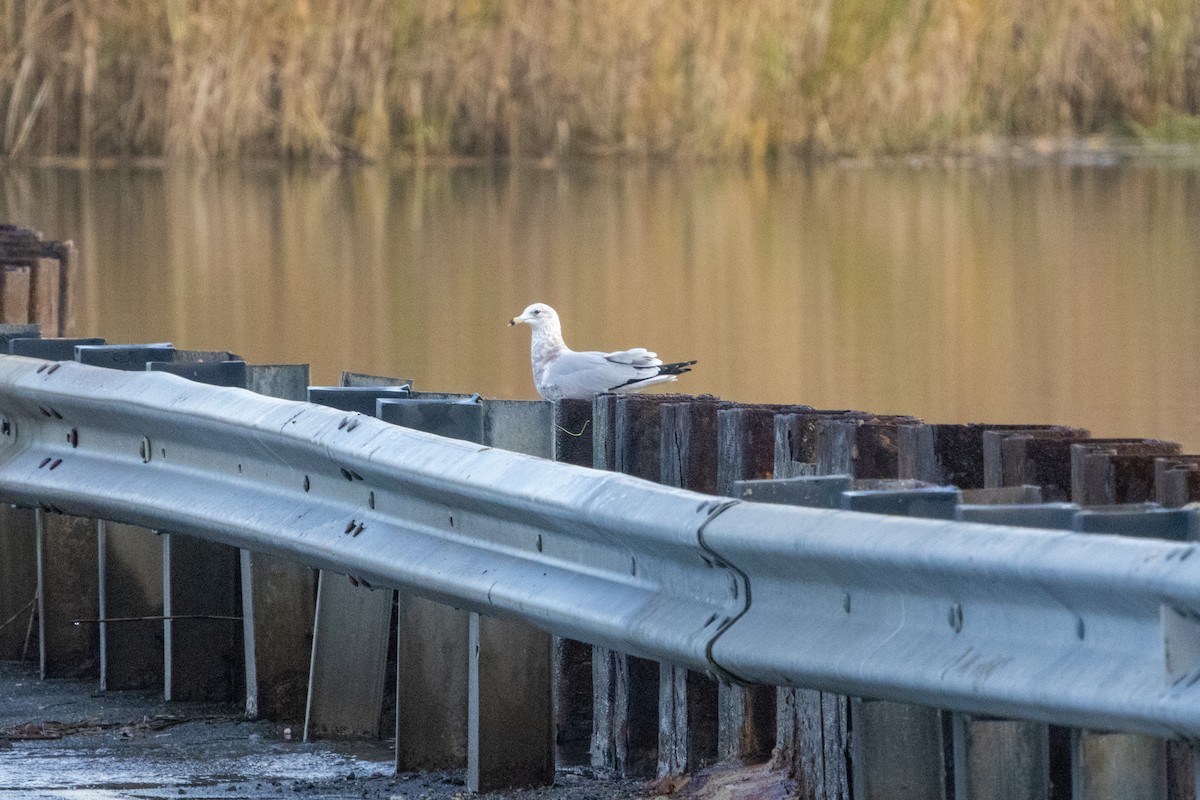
665	372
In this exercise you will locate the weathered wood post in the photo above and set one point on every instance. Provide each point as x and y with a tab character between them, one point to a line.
1176	480
993	759
812	735
1039	457
68	590
626	688
687	700
35	279
746	450
897	750
1116	766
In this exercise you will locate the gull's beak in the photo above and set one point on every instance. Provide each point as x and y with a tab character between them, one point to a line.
515	320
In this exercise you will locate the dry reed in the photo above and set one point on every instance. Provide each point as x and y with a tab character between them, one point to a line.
366	78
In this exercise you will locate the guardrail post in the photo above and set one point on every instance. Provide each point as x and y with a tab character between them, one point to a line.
746	450
1116	766
507	696
132	651
68	590
352	624
18	579
203	651
278	596
50	349
687	700
433	658
510	732
572	659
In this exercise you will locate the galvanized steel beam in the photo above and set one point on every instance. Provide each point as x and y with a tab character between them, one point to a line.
598	557
1086	630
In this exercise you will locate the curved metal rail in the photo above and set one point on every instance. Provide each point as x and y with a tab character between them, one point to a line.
1096	631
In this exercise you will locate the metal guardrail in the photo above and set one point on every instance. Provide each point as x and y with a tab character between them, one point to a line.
595	556
1089	630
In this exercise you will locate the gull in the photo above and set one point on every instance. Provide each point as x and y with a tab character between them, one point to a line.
560	373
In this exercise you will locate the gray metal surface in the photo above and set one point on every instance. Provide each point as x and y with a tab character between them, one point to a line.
598	557
1006	621
1086	630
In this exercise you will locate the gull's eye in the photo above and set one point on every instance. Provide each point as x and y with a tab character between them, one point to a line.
537	311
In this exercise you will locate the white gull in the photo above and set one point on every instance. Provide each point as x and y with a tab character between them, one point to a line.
560	373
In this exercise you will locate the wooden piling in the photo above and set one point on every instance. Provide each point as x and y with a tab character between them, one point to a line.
132	577
812	737
1112	471
949	455
1176	480
573	702
1117	766
625	438
687	700
746	451
1039	457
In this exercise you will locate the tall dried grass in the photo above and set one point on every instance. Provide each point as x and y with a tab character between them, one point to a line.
326	79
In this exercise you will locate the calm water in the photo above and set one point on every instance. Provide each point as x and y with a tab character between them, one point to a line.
1006	294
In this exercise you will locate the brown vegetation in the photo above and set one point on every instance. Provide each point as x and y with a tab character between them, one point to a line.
328	79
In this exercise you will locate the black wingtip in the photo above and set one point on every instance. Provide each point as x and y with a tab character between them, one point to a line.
678	368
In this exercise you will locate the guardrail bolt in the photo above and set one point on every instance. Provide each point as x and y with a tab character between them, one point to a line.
1079	628
956	617
846	603
72	437
146	450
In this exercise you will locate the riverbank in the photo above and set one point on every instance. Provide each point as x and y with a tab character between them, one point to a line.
370	79
63	739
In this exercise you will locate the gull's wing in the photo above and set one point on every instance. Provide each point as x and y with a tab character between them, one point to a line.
588	373
635	357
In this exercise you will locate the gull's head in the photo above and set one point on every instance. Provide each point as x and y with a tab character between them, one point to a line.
537	316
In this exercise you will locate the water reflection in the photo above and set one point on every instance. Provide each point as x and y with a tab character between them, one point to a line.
1002	293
